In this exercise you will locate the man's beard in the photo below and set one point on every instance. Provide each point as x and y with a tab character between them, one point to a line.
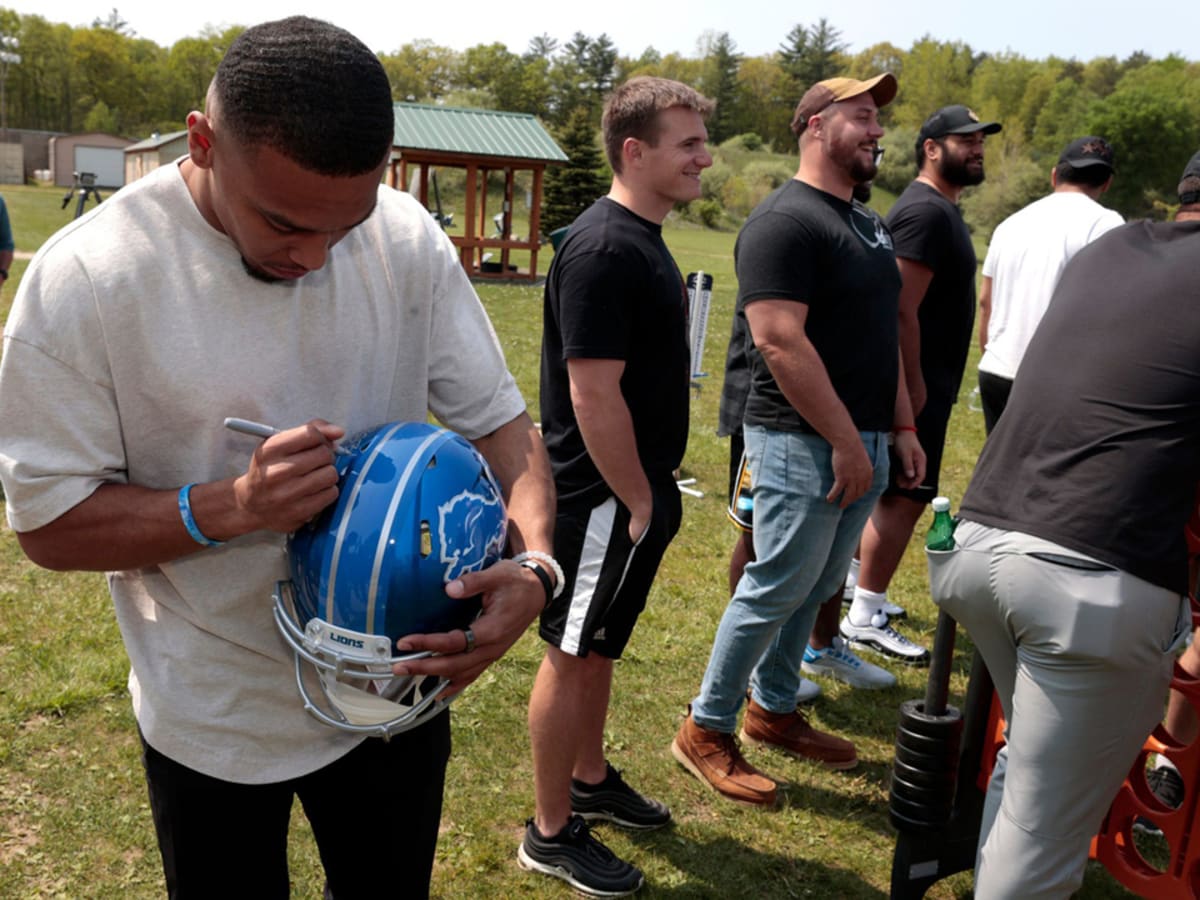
849	157
957	173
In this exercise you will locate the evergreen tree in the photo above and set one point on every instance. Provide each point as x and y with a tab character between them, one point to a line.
721	84
572	188
812	54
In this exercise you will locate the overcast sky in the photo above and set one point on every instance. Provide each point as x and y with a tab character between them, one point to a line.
1032	28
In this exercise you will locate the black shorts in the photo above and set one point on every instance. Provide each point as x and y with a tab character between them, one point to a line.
931	432
608	576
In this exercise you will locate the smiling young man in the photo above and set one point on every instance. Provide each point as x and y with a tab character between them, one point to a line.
614	389
937	313
817	281
267	275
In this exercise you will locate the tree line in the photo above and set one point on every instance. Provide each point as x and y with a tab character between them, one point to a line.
105	78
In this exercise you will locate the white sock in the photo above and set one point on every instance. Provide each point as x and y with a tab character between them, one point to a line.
866	604
852	574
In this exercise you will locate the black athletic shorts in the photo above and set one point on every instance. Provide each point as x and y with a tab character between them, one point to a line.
608	577
931	432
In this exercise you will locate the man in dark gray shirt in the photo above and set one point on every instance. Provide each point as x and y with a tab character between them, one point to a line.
1071	565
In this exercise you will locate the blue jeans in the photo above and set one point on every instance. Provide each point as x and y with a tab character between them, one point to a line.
803	545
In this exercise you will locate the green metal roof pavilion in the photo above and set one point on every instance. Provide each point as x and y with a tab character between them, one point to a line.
480	141
474	132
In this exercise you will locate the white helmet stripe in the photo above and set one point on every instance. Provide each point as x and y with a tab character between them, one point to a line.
344	524
419	459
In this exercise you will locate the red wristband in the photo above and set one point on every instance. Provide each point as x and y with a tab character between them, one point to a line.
912	428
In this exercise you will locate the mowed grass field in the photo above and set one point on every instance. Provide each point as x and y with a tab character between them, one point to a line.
74	820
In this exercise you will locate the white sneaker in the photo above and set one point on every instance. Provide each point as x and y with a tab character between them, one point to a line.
808	691
892	611
839	662
881	637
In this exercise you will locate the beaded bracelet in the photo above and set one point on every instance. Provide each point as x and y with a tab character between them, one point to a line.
189	521
549	560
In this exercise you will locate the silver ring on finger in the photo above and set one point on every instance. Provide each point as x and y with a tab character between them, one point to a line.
470	636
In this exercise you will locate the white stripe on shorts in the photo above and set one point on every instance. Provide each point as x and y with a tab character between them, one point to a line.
591	560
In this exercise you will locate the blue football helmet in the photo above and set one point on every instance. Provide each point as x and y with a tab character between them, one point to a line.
417	507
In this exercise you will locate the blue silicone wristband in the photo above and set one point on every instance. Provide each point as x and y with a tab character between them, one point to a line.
189	521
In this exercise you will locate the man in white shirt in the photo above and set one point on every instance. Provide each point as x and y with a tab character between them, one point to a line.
1027	254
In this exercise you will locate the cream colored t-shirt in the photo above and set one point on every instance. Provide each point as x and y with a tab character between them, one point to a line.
134	334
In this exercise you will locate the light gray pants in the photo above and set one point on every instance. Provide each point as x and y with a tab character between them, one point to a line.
1081	661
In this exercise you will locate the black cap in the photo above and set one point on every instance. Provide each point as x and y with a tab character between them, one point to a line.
954	120
1085	152
1189	182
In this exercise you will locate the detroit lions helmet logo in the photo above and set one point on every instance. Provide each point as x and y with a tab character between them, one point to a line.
471	532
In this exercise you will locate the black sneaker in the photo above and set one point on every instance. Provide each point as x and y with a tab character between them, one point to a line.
615	801
578	859
1167	786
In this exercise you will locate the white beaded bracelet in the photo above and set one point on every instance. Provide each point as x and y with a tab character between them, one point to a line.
560	579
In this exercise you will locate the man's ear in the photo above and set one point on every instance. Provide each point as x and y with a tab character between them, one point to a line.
931	153
200	139
631	151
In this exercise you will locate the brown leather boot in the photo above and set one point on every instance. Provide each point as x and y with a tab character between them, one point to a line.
714	758
791	733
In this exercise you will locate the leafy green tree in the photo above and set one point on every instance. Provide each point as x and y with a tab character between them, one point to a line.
503	80
420	71
1100	75
40	91
1152	120
765	102
1046	76
191	64
936	74
100	119
572	188
1062	118
1013	181
998	87
103	71
898	166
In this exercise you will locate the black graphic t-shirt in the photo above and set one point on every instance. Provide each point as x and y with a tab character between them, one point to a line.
836	257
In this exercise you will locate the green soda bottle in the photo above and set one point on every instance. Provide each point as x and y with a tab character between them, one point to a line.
941	533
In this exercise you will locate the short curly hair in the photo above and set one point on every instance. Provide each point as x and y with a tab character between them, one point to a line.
309	90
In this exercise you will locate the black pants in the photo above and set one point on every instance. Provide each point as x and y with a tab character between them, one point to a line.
374	813
993	397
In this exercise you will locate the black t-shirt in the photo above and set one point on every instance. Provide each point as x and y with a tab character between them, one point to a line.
614	292
1099	446
929	229
835	257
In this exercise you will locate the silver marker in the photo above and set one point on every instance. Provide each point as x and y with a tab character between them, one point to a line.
258	429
